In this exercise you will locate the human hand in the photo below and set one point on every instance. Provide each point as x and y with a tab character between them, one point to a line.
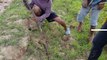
101	5
85	3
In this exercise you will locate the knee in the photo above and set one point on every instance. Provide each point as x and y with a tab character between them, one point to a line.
36	10
94	21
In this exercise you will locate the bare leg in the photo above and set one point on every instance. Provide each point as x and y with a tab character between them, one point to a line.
80	27
91	33
61	22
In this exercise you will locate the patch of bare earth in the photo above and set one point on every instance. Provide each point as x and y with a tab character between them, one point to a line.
14	52
4	4
6	37
18	52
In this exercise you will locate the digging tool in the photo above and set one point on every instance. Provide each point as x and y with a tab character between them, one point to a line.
29	8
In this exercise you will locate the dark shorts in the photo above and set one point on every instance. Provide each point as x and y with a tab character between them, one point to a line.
51	16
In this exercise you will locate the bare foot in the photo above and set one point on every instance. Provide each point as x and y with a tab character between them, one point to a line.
79	29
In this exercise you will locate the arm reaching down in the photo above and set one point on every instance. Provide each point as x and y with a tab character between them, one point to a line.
45	15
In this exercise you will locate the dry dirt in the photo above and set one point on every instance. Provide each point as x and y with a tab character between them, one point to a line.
4	4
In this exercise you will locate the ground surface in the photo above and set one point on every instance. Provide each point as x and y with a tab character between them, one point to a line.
18	43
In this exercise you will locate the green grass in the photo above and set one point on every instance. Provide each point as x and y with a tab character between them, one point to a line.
66	9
